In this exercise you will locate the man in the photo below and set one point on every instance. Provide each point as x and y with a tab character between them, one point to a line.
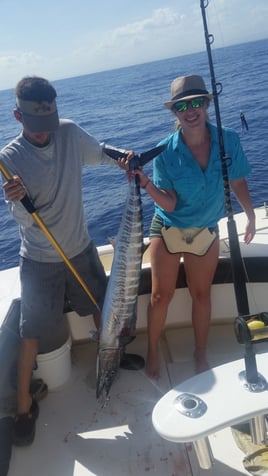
46	162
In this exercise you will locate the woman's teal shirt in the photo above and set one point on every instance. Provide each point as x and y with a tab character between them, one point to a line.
200	193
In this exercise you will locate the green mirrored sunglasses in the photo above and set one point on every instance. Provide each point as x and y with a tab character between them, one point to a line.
196	103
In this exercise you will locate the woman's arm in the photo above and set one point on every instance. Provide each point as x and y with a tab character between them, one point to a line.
240	189
166	199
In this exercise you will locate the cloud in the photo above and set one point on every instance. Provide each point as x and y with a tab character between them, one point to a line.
21	59
15	65
135	42
161	18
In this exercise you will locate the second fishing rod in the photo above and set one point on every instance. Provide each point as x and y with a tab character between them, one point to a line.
238	269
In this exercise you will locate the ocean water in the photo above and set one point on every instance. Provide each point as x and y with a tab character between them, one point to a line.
124	107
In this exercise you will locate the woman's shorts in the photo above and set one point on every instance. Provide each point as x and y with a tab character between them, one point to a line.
155	228
157	224
45	287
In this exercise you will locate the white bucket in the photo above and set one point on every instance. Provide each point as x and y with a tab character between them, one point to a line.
55	367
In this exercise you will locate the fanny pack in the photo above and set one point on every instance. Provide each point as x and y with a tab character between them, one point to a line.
188	240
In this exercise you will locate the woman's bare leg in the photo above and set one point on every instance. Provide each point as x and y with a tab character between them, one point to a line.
165	267
200	271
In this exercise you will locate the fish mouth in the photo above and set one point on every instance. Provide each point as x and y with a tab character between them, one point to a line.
108	363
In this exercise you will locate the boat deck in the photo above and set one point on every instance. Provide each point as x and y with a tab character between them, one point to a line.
77	436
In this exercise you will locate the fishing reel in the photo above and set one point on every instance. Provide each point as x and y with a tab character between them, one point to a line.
250	330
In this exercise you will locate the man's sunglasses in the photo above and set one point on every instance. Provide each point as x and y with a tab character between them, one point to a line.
196	103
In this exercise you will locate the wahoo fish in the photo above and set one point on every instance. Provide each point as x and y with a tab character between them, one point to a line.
119	312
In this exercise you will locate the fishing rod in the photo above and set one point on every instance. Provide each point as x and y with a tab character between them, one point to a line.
252	380
238	270
28	205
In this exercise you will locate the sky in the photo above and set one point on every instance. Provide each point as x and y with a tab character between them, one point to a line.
64	38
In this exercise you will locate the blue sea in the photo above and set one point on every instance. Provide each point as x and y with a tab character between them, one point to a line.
124	107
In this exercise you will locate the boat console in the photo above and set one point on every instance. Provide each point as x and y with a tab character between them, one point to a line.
220	397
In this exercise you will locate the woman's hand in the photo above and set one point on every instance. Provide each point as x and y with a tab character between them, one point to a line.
144	179
166	199
240	189
250	230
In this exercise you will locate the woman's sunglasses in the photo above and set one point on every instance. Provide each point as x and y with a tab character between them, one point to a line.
196	103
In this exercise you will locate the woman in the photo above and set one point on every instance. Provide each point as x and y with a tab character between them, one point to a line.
188	192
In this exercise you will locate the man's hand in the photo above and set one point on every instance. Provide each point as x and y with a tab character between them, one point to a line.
123	162
14	189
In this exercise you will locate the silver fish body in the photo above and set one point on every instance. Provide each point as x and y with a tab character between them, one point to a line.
119	313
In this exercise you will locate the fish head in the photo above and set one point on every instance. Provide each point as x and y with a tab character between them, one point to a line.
108	363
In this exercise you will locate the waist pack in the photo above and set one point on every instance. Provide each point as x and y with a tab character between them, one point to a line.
188	240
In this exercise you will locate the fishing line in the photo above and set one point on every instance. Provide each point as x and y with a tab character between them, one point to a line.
218	22
224	55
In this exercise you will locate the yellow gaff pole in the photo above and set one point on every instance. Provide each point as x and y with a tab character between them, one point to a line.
26	202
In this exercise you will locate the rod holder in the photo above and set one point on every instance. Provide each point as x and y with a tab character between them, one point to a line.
251	365
251	330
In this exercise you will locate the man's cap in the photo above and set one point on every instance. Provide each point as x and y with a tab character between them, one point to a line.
38	116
